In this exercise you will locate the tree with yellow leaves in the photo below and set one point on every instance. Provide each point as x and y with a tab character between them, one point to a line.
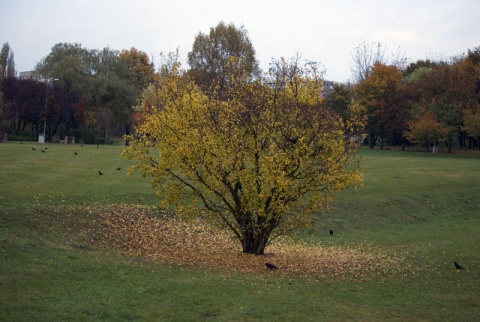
261	157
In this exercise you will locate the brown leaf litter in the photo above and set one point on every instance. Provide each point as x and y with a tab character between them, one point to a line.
137	231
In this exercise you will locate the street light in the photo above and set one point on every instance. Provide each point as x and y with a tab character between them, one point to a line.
46	107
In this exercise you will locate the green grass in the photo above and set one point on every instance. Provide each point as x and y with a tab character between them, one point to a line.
58	176
426	206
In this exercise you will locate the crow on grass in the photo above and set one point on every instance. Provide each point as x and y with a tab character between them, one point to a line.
75	152
42	150
119	169
331	232
33	149
100	172
271	266
457	266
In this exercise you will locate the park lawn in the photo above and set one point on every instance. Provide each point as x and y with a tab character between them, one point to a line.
421	206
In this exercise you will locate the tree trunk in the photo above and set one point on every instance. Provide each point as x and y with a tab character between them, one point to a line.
450	144
462	138
255	243
371	140
127	132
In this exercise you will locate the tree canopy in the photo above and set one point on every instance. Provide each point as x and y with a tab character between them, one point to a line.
7	62
381	96
108	81
426	130
262	162
209	58
141	69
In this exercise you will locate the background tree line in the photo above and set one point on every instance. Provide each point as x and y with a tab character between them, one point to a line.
75	91
427	101
424	102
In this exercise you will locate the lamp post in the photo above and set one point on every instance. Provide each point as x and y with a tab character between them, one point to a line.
46	107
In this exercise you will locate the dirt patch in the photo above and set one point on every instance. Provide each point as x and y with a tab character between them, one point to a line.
161	237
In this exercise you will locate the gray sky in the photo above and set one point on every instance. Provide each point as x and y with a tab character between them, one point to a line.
324	31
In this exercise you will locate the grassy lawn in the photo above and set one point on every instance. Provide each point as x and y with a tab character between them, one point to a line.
421	206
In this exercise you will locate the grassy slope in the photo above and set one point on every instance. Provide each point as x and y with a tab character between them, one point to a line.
424	205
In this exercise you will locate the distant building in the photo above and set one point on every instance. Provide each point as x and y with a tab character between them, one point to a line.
29	75
327	88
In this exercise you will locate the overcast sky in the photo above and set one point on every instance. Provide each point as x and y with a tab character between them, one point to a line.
324	31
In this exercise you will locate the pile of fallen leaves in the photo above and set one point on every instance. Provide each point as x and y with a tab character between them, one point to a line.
139	231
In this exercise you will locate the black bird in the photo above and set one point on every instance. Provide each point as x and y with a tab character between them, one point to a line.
271	266
457	266
75	152
81	145
33	149
119	169
331	232
21	142
46	149
100	173
42	150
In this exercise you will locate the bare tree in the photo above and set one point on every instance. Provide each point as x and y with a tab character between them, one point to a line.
365	56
